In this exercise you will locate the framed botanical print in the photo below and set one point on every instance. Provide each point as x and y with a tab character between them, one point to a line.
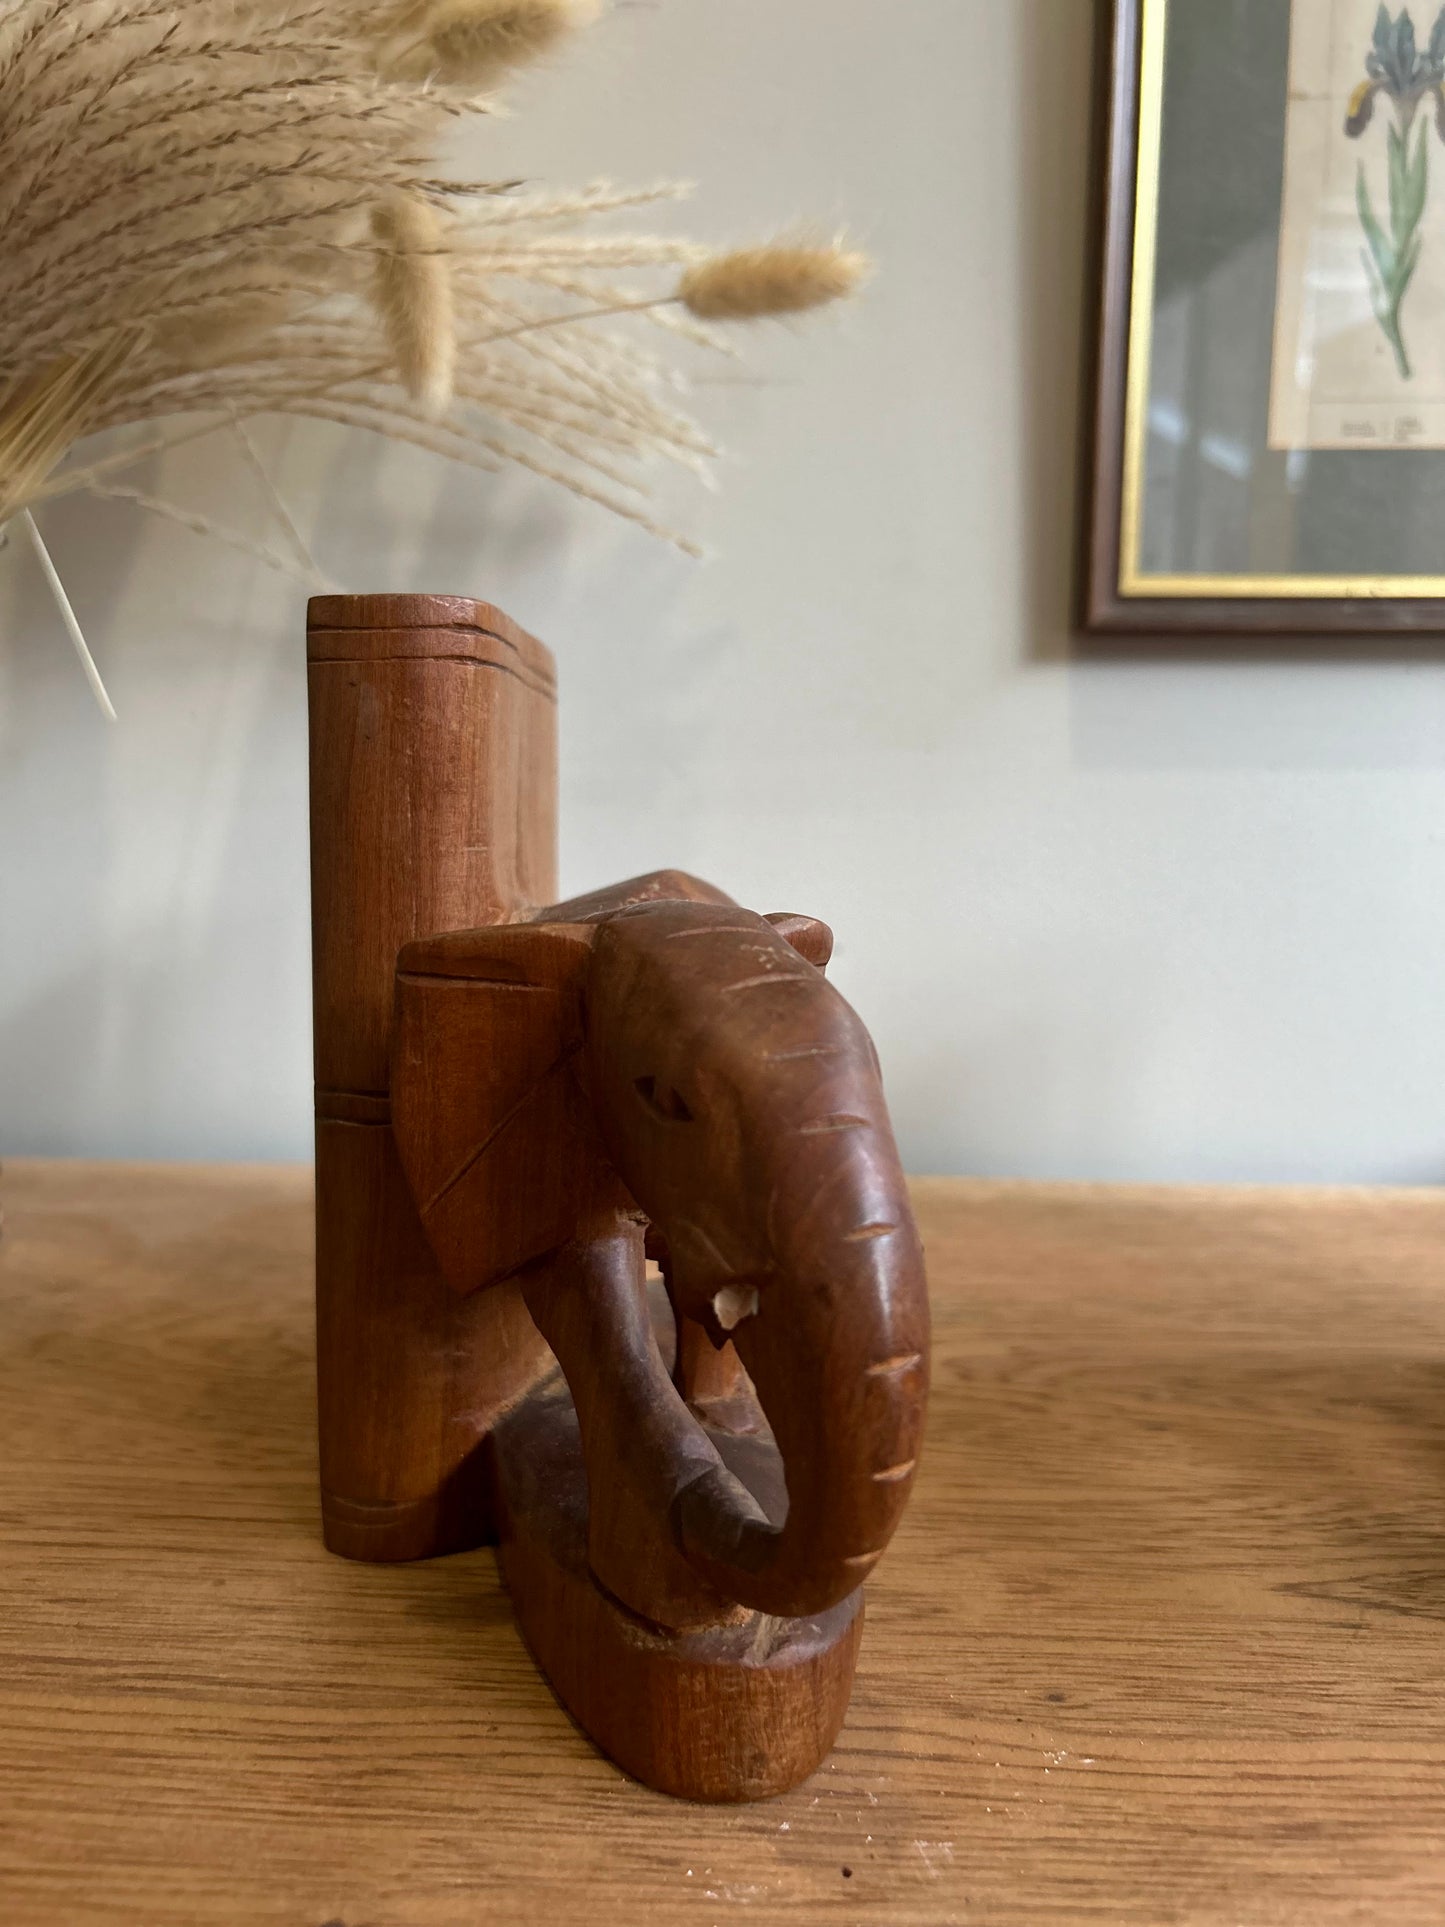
1269	434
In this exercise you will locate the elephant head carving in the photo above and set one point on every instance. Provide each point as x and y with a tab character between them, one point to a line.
656	1067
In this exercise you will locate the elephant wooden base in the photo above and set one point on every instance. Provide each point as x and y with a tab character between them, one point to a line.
735	1711
688	1472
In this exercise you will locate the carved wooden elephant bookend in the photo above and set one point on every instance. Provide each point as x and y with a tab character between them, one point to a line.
688	1479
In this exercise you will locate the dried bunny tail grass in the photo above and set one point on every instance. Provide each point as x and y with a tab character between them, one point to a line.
414	298
477	43
784	277
233	207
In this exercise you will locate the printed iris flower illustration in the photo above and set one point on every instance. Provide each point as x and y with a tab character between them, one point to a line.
1409	76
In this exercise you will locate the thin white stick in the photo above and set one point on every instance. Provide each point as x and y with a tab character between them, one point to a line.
278	507
67	615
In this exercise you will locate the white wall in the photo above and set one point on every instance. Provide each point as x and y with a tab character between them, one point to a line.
1167	919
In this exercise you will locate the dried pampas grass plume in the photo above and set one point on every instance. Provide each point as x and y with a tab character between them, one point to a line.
42	414
414	296
477	43
232	208
749	284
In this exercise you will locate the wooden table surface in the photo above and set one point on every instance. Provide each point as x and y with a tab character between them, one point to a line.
1162	1639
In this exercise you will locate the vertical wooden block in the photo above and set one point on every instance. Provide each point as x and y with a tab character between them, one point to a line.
433	808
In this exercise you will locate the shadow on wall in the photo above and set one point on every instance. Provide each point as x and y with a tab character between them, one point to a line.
383	512
643	729
54	789
122	1055
162	899
154	988
1054	122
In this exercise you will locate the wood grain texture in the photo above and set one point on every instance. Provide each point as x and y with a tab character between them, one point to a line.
740	1099
1161	1639
500	1129
433	801
433	807
668	1071
741	1708
683	1057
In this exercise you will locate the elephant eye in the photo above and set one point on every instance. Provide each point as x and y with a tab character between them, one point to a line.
662	1101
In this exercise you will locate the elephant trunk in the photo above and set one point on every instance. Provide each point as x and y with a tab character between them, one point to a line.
743	1107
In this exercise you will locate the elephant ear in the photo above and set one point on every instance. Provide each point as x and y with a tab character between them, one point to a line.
812	939
497	1146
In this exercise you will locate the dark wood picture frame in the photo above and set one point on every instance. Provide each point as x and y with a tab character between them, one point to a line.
1105	609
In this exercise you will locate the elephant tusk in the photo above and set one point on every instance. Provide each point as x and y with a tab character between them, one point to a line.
895	1474
733	1303
887	1367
